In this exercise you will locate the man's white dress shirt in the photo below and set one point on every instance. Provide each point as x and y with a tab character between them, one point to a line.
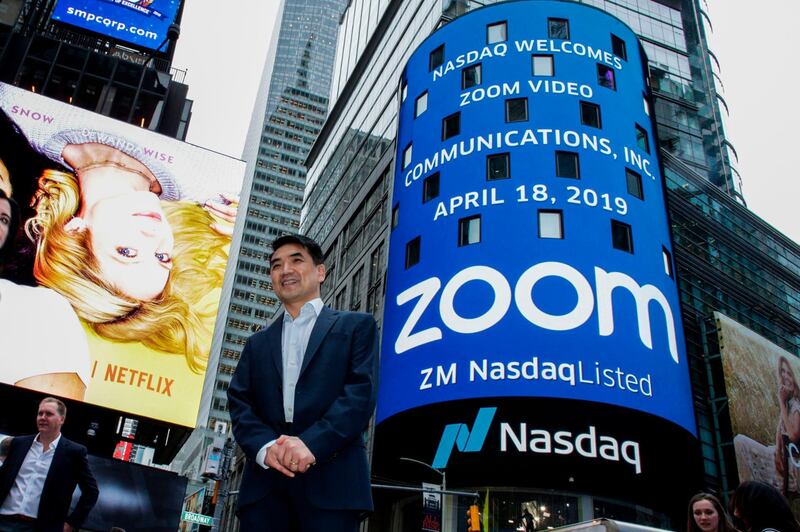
294	341
24	496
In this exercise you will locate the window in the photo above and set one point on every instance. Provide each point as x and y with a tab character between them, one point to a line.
498	166
641	138
497	32
421	105
517	110
469	230
558	28
395	215
376	266
567	164
667	261
412	252
618	47
621	236
471	76
355	289
341	297
451	126
646	106
430	187
436	59
634	183
403	90
543	65
605	77
407	156
590	115
550	224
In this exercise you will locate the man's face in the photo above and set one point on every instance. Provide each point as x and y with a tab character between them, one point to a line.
295	277
48	421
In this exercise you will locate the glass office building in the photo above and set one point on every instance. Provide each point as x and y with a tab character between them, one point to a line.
726	258
297	103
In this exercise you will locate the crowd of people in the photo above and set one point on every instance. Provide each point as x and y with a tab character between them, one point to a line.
754	507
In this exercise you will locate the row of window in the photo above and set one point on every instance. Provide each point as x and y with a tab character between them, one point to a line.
542	65
498	166
516	110
497	32
550	225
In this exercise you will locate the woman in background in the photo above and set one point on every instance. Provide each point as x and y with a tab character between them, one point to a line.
762	508
706	514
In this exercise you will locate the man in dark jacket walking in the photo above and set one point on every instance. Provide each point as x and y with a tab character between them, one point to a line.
40	474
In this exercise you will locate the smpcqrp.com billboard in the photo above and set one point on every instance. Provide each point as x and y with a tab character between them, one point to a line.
112	280
142	23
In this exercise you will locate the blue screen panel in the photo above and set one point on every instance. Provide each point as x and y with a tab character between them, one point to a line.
142	23
531	254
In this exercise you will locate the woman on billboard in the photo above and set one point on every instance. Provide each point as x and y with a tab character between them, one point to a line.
776	464
63	366
135	268
787	436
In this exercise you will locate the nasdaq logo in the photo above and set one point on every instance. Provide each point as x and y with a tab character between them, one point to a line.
459	436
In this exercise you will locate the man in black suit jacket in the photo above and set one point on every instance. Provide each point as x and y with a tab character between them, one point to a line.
300	401
39	475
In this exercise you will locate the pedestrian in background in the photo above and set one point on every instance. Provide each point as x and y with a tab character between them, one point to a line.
761	508
706	514
40	474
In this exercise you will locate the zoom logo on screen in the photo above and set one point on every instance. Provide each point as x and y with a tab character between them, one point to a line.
458	435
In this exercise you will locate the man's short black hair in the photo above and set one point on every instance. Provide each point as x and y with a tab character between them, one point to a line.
312	247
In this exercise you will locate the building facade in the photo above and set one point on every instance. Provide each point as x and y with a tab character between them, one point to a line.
726	259
132	81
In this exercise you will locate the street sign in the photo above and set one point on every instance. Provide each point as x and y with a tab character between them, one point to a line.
431	507
200	519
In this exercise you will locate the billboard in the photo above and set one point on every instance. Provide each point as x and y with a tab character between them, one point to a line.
142	23
530	254
110	291
133	497
764	406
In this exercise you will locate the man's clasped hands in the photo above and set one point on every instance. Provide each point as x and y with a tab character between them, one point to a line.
289	455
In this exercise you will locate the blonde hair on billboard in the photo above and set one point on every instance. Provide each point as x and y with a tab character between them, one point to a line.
170	323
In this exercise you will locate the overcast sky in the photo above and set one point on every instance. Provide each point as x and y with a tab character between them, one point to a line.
223	51
224	56
757	45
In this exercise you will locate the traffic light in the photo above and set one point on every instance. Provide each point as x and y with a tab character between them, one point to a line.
473	519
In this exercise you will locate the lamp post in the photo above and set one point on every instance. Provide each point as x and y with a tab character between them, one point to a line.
440	472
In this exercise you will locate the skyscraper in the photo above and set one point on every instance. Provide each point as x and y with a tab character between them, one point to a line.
726	259
294	107
297	104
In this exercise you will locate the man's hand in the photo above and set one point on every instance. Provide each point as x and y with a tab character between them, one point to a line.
68	527
296	456
275	457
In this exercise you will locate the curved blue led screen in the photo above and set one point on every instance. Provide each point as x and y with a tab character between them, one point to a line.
142	23
530	253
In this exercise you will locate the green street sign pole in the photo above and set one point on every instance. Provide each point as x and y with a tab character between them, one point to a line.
200	519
